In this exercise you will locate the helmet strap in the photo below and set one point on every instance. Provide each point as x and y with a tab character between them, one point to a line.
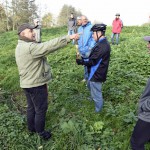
99	36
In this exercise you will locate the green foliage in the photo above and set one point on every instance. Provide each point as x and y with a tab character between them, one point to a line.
65	13
47	20
71	116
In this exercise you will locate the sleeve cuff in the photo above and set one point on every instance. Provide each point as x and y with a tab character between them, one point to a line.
68	38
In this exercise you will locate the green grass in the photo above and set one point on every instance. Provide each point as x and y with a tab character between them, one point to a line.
70	116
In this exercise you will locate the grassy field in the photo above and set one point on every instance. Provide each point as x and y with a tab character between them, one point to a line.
71	116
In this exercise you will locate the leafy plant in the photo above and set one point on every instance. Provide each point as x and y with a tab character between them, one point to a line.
71	116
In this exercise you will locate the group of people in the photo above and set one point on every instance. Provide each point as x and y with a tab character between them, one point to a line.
93	54
117	26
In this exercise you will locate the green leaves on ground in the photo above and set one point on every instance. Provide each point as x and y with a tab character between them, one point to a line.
71	116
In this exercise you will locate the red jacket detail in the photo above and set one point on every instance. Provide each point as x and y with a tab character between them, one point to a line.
117	26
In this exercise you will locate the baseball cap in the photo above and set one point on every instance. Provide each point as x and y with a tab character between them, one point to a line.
25	26
147	38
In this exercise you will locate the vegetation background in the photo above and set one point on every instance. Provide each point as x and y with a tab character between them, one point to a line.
71	116
15	12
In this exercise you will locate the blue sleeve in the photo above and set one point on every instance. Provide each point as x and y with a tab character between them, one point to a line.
91	43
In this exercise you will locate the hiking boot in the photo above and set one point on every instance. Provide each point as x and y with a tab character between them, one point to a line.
45	135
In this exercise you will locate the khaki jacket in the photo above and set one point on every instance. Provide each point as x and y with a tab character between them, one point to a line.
33	67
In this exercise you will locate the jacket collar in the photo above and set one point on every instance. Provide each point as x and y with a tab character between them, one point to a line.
101	39
88	23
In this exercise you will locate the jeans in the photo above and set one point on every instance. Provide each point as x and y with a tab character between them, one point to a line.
140	135
37	101
96	94
70	32
86	75
117	38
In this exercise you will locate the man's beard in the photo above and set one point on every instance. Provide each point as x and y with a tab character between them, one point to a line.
26	39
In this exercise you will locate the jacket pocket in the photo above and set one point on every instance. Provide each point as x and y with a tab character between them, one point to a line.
146	106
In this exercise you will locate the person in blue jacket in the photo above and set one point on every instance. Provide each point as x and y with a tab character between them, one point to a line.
141	132
85	42
97	64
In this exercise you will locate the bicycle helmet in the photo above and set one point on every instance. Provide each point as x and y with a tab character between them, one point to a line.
99	27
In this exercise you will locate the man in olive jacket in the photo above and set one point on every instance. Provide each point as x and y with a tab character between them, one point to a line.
34	73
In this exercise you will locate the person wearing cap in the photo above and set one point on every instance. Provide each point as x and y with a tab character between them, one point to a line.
141	132
117	26
97	64
35	74
85	42
37	30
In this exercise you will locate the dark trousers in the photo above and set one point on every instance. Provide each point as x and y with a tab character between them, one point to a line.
37	101
140	135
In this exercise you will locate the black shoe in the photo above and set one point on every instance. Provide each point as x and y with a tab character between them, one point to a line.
45	135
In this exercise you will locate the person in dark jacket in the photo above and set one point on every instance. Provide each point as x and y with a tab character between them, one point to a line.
97	64
71	25
141	133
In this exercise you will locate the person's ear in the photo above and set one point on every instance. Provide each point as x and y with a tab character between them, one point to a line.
22	33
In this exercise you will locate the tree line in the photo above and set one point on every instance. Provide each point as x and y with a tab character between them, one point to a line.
15	12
